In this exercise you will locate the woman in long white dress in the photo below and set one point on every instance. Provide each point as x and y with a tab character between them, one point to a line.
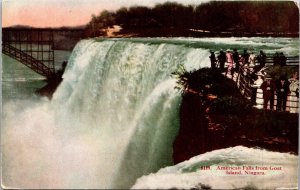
258	92
252	59
294	88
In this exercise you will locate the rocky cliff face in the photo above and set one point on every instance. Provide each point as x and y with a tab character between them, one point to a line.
227	120
194	136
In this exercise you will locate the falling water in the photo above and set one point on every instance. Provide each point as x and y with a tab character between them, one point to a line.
113	118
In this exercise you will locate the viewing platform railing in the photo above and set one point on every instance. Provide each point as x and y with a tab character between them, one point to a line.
290	60
243	82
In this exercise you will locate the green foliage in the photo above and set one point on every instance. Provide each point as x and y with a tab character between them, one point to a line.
205	80
173	15
216	16
182	77
247	16
102	21
209	81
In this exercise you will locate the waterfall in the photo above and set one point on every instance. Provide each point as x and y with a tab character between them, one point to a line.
113	118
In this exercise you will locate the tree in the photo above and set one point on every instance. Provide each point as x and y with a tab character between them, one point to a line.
98	24
238	17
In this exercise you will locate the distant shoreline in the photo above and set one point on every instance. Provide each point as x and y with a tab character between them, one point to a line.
195	33
66	38
162	32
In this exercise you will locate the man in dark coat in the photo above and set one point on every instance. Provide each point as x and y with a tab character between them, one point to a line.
282	59
245	56
222	60
212	59
268	88
261	58
276	59
282	91
236	59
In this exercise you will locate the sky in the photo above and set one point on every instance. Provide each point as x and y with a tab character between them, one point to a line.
55	13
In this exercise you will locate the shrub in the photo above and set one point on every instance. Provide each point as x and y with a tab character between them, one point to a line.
205	79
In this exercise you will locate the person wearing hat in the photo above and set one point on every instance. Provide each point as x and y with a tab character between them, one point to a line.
245	56
261	58
229	59
294	88
256	84
268	87
282	59
282	91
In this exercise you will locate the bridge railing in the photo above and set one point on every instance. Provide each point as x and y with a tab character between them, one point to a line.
27	60
32	47
36	43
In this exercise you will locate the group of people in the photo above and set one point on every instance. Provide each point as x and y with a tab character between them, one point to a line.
279	59
282	88
248	60
251	66
235	61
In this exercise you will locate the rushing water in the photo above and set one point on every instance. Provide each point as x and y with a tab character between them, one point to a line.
113	118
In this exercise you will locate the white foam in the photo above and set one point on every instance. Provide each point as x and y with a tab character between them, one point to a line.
188	174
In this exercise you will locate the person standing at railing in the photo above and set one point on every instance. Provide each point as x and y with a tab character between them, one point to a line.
236	59
252	59
294	88
222	60
282	59
261	59
276	59
229	59
256	84
245	57
212	60
268	88
282	91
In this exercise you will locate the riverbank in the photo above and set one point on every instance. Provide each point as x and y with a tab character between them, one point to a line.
177	32
219	117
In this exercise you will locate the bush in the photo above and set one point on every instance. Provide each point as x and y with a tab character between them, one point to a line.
205	80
